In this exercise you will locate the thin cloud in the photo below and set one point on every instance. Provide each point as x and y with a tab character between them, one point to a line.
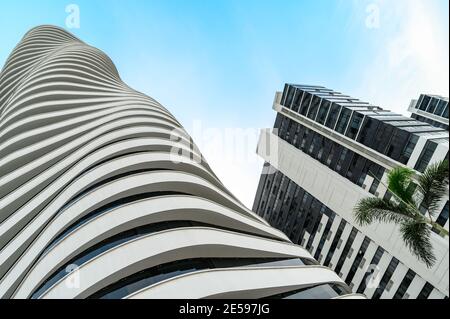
412	56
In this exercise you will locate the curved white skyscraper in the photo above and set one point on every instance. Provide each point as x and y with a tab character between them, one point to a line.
95	204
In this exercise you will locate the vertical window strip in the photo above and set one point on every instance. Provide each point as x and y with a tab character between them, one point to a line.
336	239
346	250
404	285
375	260
386	278
357	261
426	291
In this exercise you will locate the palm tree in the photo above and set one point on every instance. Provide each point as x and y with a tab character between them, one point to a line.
413	206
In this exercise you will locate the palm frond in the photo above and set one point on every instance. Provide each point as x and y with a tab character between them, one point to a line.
433	185
399	183
416	236
373	209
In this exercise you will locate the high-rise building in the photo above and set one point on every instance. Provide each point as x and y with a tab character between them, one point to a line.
430	109
331	151
103	195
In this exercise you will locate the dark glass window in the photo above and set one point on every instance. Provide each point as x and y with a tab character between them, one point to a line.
335	242
344	161
290	97
358	170
425	157
440	107
333	116
307	135
409	148
344	118
296	139
264	195
262	186
351	169
383	138
342	157
278	121
419	102
375	260
272	195
324	237
316	145
424	104
305	103
312	113
386	278
297	100
320	213
282	127
288	135
345	165
327	146
355	124
261	207
321	148
432	106
334	148
285	210
396	145
346	250
291	212
443	217
312	214
426	291
323	111
445	114
297	219
308	140
404	285
368	132
283	97
357	261
377	173
274	190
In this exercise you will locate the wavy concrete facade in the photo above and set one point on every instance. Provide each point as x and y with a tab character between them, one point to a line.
89	179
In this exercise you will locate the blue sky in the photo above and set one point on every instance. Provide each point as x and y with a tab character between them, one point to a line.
219	62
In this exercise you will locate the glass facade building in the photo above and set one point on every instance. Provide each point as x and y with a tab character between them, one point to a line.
431	109
333	145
